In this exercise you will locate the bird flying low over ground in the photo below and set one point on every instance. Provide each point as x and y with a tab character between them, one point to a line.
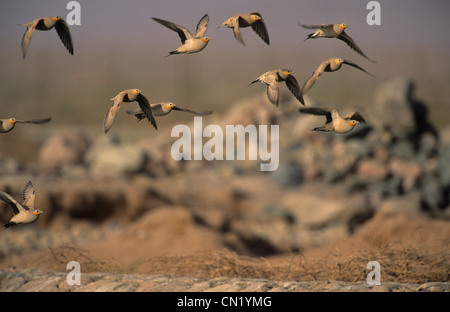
334	31
25	213
47	23
271	80
334	121
7	125
162	109
190	43
130	95
253	20
329	65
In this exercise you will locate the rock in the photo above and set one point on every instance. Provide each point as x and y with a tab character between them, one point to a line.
372	170
444	165
111	158
433	195
48	281
394	96
403	150
63	151
288	174
8	166
409	172
409	205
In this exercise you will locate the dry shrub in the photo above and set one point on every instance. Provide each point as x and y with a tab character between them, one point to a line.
398	264
405	265
59	257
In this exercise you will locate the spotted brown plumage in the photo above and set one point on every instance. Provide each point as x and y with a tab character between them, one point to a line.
334	31
272	78
47	23
330	65
129	95
189	43
7	125
253	20
24	213
162	109
334	122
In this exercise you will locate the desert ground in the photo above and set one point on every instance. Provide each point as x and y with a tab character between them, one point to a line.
137	219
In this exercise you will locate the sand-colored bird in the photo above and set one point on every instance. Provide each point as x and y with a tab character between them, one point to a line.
334	31
162	109
271	80
190	43
129	95
25	213
334	121
7	125
253	20
47	23
329	65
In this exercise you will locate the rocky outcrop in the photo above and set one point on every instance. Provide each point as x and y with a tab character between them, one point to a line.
42	281
327	186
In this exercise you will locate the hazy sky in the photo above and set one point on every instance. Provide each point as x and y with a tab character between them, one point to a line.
404	23
119	46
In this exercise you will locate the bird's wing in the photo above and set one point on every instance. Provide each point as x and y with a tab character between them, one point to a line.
358	67
260	29
35	121
64	34
237	30
314	77
145	107
317	26
317	111
273	93
27	35
11	201
110	116
293	86
202	26
355	116
183	32
190	111
29	194
349	41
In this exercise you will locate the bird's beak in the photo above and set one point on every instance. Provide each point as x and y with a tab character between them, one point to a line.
206	39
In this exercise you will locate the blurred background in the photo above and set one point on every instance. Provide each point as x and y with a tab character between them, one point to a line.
118	46
383	184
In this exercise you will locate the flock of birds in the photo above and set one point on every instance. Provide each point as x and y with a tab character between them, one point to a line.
26	213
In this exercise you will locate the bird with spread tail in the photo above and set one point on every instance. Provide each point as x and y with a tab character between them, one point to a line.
7	125
334	122
162	109
47	23
272	78
334	31
190	43
25	213
253	20
330	65
130	95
